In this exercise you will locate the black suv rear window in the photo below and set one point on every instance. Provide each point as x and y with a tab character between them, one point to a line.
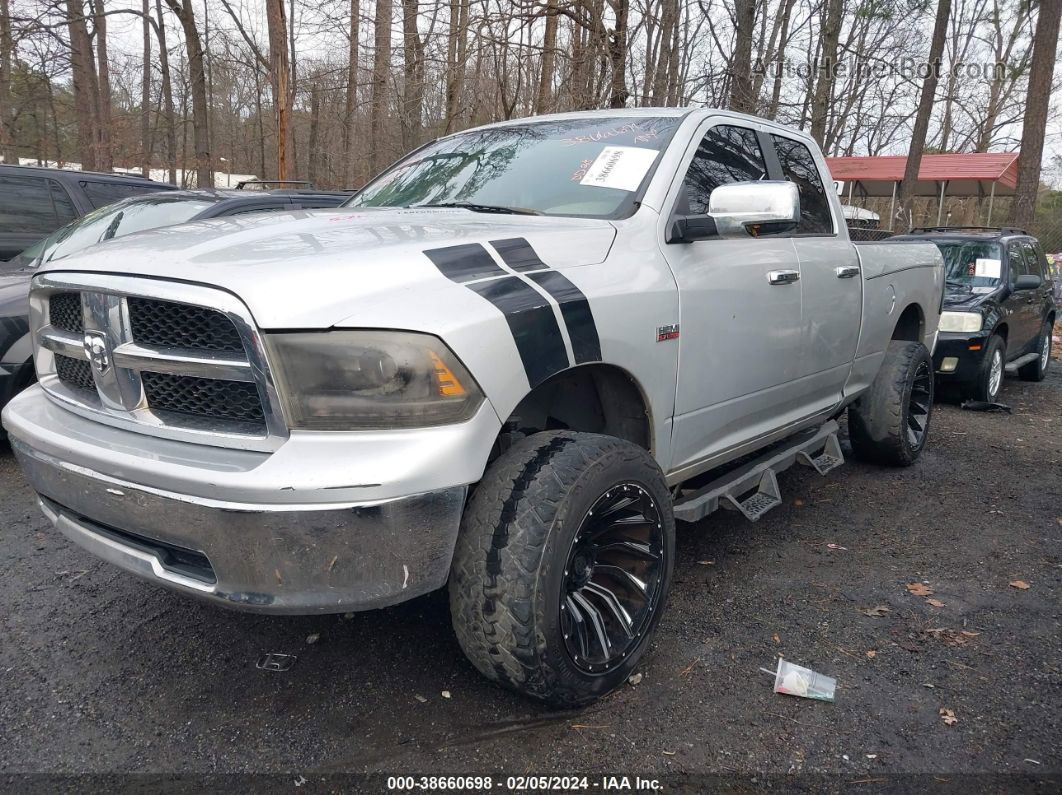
101	194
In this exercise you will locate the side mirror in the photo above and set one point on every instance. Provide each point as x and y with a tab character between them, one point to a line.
740	205
1028	281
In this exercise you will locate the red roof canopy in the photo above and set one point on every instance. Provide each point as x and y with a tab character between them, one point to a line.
969	174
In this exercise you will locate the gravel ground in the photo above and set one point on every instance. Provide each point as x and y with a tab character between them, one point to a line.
100	672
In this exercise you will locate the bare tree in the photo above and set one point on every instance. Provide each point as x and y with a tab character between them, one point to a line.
8	149
279	75
83	72
351	98
381	60
145	93
741	98
167	95
1045	53
827	66
183	10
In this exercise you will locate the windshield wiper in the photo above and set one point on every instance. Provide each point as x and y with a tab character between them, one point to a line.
958	283
483	208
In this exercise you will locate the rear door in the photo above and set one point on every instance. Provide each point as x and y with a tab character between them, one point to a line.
1020	307
830	280
31	207
1036	299
739	349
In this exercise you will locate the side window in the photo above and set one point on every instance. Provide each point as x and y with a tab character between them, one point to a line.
26	206
726	154
1034	263
101	194
1017	262
64	208
799	166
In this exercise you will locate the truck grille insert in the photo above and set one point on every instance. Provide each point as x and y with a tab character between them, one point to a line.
65	312
168	359
203	397
168	325
75	373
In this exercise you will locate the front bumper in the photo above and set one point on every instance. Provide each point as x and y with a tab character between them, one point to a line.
956	345
216	523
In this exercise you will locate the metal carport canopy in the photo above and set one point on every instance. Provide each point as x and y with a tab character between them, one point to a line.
979	174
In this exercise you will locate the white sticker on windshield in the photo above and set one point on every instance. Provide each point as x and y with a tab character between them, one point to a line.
619	167
989	268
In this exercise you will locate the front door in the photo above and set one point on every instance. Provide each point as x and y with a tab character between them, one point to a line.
1023	322
739	354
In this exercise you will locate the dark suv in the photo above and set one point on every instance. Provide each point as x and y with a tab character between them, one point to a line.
998	308
34	202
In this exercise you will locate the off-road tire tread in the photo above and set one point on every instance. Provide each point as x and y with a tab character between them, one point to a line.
876	425
495	572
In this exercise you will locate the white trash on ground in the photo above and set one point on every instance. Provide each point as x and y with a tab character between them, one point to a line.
795	680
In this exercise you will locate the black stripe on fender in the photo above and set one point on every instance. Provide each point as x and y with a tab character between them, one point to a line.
532	323
464	263
582	330
517	253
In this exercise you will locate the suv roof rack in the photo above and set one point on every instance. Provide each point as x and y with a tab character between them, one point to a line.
1003	230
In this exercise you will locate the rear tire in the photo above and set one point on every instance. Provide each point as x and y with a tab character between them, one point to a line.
1037	370
542	591
889	424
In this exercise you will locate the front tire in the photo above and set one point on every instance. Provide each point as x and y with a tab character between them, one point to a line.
1037	370
563	566
889	423
989	381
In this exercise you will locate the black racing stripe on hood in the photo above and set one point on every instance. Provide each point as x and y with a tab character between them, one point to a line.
464	263
575	309
518	254
533	325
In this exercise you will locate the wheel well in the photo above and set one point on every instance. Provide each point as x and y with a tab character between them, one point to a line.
1051	318
910	325
1002	331
595	398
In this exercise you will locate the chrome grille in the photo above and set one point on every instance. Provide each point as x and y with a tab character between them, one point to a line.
64	310
171	325
203	397
170	359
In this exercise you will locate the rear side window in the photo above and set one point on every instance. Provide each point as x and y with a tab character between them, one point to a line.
1017	262
28	206
64	208
726	154
101	194
798	166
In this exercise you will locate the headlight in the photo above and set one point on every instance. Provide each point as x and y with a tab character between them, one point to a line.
959	321
358	380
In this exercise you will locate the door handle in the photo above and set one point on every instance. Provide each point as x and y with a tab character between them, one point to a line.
846	271
783	277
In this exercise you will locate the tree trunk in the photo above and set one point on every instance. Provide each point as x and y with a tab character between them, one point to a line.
549	59
905	194
1045	51
279	74
145	95
184	12
741	98
105	156
167	97
617	53
456	50
83	72
783	40
413	72
8	149
831	34
381	62
350	101
666	55
315	132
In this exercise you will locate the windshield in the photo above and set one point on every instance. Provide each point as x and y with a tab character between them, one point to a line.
971	266
581	167
119	219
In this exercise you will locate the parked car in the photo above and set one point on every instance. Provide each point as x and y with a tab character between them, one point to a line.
998	308
110	222
470	375
34	202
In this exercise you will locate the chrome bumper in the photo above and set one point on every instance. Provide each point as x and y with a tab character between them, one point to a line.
272	558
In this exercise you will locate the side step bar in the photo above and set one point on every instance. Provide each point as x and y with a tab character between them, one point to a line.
1021	361
816	448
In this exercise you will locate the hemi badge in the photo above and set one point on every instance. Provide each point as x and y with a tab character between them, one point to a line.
668	332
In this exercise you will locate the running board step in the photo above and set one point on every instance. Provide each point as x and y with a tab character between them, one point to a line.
1021	361
817	448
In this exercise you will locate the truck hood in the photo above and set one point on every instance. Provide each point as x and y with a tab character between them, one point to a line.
964	299
311	269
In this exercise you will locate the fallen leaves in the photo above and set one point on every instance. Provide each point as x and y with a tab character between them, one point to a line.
951	637
948	716
875	612
872	654
1021	585
935	602
919	589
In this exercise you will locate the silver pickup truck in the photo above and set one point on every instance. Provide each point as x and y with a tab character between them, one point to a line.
507	366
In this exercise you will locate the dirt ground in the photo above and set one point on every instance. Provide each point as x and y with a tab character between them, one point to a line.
100	672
